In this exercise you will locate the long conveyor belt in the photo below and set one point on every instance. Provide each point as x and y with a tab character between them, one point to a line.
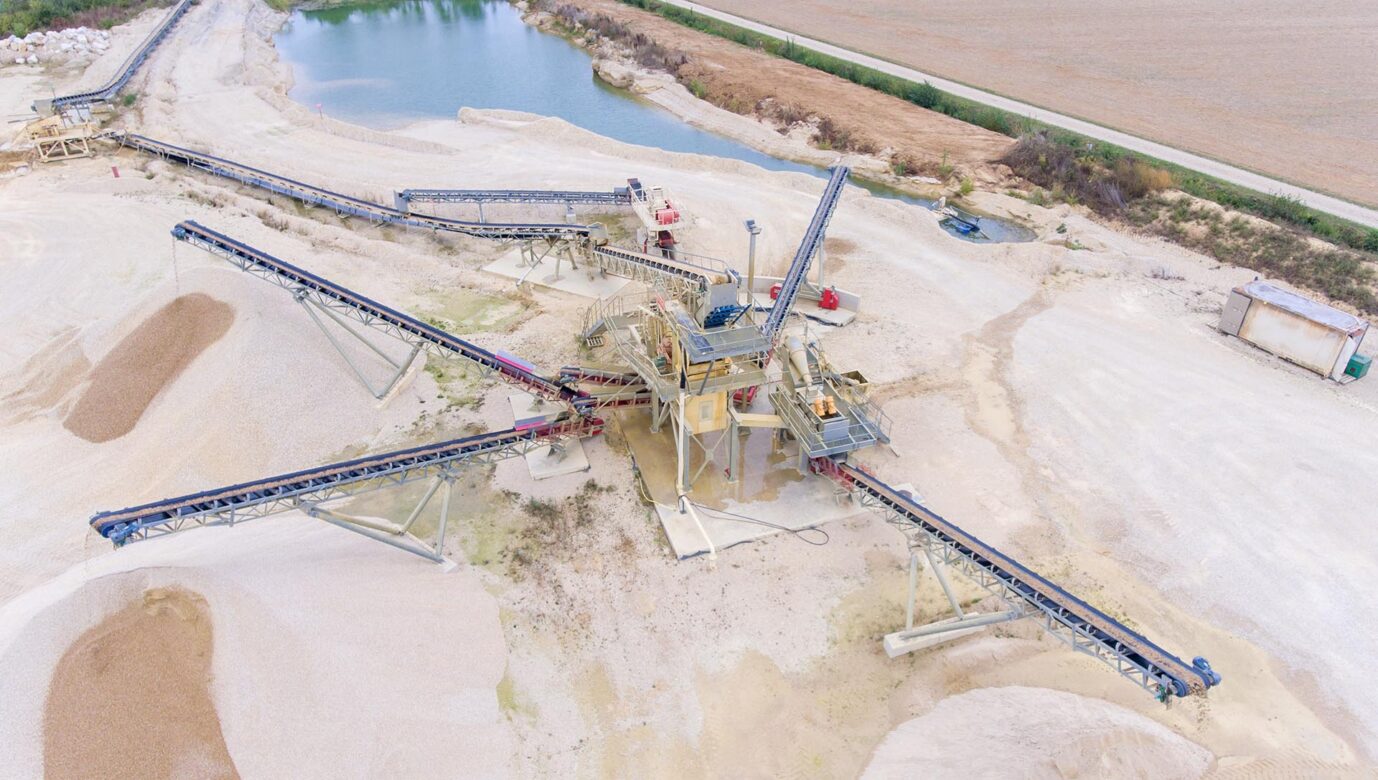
372	313
284	492
1081	625
129	67
346	204
618	197
803	256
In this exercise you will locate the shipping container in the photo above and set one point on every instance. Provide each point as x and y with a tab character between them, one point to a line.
1311	334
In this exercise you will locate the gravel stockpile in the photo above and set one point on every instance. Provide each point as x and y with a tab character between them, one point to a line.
127	379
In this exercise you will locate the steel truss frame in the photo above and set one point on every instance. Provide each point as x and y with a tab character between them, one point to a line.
1051	617
343	310
127	69
309	492
673	278
607	198
347	205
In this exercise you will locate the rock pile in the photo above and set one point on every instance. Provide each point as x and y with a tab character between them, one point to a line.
78	44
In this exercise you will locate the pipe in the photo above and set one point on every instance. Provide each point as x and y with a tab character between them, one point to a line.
975	621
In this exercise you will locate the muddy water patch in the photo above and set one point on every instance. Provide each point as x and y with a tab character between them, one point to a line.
131	697
130	376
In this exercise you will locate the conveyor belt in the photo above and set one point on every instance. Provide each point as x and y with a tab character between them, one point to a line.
236	503
345	204
803	257
643	267
620	262
129	67
372	313
600	375
618	197
1069	618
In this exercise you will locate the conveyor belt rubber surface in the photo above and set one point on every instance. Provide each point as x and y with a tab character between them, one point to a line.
284	491
1038	595
610	198
129	67
293	277
347	204
803	256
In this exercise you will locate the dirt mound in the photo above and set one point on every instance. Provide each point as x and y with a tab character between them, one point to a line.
1034	733
131	697
127	379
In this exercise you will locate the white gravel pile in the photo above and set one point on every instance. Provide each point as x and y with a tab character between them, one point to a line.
77	44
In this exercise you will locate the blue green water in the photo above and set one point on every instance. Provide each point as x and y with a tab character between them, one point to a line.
386	64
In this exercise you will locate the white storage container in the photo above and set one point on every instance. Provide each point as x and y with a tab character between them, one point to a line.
1310	334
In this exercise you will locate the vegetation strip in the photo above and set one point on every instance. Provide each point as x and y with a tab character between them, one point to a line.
1344	276
21	17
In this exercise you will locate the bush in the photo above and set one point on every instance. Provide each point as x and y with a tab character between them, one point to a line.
21	17
1136	178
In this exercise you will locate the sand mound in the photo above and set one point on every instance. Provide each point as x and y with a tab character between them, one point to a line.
131	697
1034	733
127	379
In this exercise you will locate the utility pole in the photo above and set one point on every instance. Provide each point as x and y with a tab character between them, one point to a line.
753	230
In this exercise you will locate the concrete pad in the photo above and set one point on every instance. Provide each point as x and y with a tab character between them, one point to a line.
896	645
543	464
801	506
585	281
771	492
808	308
525	410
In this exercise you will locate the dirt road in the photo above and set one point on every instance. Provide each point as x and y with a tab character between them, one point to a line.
1280	91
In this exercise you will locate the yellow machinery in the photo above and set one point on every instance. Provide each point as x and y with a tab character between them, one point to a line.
55	139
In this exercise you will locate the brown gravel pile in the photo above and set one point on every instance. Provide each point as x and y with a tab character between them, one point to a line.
131	697
126	380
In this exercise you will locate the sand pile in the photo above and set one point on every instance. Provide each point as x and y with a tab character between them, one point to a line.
127	379
1034	733
131	697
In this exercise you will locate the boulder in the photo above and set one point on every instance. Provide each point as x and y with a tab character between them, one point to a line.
615	73
32	59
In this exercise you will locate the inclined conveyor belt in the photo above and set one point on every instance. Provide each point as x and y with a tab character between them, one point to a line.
345	204
236	503
637	265
803	257
617	197
410	328
1069	618
129	67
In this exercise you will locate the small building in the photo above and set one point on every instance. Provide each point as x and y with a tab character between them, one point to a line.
1310	334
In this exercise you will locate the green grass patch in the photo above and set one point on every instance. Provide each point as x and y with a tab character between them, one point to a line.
21	17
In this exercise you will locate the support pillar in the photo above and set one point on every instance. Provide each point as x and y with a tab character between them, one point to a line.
681	449
945	630
401	367
734	449
394	535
